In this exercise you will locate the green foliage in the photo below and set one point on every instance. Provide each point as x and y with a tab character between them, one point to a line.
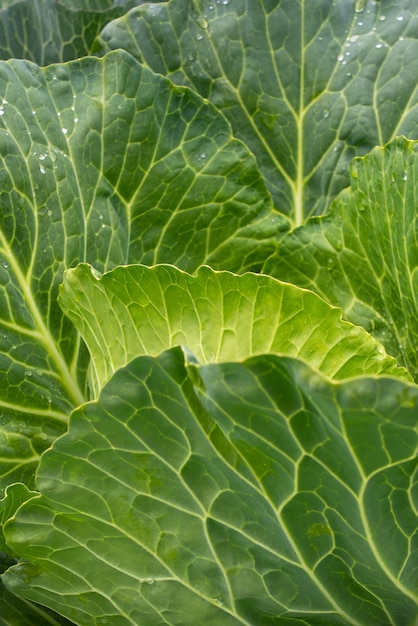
242	491
307	84
183	437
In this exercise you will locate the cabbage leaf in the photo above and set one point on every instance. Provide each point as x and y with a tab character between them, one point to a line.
257	493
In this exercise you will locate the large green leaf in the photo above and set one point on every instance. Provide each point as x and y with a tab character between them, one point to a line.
219	316
103	161
50	31
307	84
255	493
363	255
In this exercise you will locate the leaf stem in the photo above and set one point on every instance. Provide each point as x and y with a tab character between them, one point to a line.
70	383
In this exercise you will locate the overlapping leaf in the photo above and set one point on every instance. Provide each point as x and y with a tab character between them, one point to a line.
219	316
50	31
101	160
307	84
252	493
363	255
18	612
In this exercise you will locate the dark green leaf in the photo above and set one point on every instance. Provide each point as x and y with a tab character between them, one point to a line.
103	161
307	84
363	255
255	493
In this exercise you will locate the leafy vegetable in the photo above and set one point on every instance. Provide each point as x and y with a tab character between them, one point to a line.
372	278
306	84
242	491
180	435
49	31
219	317
90	174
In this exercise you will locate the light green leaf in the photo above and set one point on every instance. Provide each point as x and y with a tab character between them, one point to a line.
256	493
219	316
105	162
363	255
307	84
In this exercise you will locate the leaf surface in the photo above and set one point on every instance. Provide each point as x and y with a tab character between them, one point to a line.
52	31
363	255
16	611
219	316
245	493
105	162
307	84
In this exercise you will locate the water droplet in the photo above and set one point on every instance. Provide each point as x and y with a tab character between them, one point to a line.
42	169
1	111
43	436
325	113
340	57
404	176
354	38
199	36
39	372
28	373
49	212
76	120
203	155
360	5
64	130
42	157
382	18
399	18
379	45
4	101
